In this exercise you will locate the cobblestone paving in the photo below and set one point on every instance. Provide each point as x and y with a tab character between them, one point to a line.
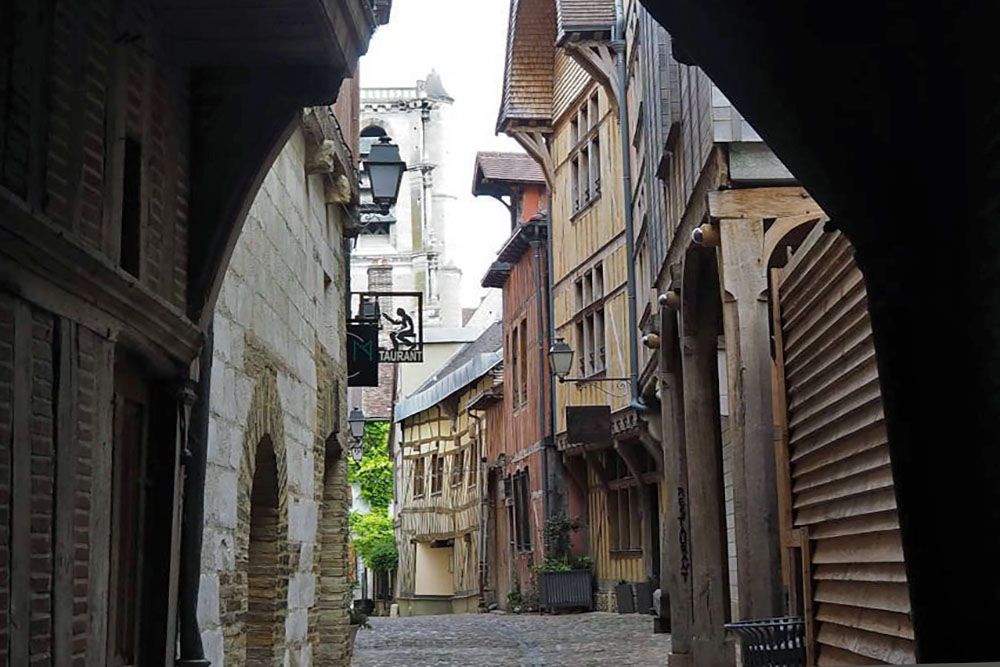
501	640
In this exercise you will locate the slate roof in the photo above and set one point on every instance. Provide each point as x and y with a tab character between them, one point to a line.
534	30
505	168
465	367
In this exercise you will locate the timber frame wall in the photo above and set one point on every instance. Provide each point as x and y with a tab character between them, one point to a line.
446	513
127	163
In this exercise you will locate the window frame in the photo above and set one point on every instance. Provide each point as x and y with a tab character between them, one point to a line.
585	154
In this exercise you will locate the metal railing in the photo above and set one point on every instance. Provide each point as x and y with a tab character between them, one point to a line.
772	642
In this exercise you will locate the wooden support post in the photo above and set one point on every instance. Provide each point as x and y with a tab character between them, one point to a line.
746	321
65	493
20	499
602	474
699	359
676	576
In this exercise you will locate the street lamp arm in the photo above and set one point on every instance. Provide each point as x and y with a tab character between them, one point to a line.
600	379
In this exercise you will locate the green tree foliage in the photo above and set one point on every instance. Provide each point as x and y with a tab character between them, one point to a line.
374	540
372	533
374	472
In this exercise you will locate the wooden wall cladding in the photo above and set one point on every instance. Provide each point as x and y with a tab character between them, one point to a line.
842	492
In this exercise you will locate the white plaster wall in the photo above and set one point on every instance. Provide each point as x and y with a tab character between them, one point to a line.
274	289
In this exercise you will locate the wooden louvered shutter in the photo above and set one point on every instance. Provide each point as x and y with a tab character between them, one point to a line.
841	495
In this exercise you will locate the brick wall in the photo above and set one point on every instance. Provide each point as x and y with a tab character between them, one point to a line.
96	90
49	398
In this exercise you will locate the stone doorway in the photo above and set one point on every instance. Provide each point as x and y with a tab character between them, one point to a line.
264	620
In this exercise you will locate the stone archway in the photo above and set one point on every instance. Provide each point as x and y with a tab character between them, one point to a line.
263	561
332	622
262	551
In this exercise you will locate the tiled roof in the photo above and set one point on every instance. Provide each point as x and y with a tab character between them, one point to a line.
506	168
527	85
585	16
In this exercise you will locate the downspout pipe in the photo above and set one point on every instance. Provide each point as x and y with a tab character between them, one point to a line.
618	43
540	305
483	504
550	309
192	652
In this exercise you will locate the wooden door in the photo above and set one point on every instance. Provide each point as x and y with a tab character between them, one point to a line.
131	433
842	528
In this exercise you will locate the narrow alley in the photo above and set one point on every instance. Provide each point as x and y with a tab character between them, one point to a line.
504	333
597	639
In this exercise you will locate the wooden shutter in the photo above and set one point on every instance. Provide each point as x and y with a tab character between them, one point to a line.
841	488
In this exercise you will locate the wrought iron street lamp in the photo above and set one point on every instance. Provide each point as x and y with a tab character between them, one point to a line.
561	360
385	172
356	420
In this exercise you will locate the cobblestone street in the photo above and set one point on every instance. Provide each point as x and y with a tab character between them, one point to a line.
500	640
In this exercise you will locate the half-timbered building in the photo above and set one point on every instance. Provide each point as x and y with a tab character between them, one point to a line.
519	464
439	479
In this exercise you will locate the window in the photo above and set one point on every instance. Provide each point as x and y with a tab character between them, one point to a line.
585	155
624	501
474	463
520	516
458	468
437	474
131	230
419	477
515	366
523	361
590	337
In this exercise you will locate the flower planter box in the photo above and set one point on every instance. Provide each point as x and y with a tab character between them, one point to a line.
565	590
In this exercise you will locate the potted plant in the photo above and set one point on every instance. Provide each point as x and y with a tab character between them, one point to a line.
359	620
564	581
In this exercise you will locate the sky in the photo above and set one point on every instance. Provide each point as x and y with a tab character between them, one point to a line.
465	41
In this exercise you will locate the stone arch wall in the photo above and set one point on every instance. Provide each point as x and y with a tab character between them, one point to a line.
330	622
264	425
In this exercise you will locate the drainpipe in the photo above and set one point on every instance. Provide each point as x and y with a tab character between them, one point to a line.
618	42
483	506
192	653
540	304
550	441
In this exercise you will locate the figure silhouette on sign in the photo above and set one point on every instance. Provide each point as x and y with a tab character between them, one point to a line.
405	334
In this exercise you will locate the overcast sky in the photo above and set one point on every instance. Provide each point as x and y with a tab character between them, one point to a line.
465	41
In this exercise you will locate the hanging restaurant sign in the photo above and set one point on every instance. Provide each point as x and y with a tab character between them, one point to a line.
362	354
399	319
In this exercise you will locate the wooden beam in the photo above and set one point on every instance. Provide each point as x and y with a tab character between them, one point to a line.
602	473
630	461
782	227
762	203
65	492
597	58
675	574
20	498
746	323
653	448
535	145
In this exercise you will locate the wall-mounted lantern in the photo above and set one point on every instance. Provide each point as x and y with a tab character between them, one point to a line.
385	172
356	420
